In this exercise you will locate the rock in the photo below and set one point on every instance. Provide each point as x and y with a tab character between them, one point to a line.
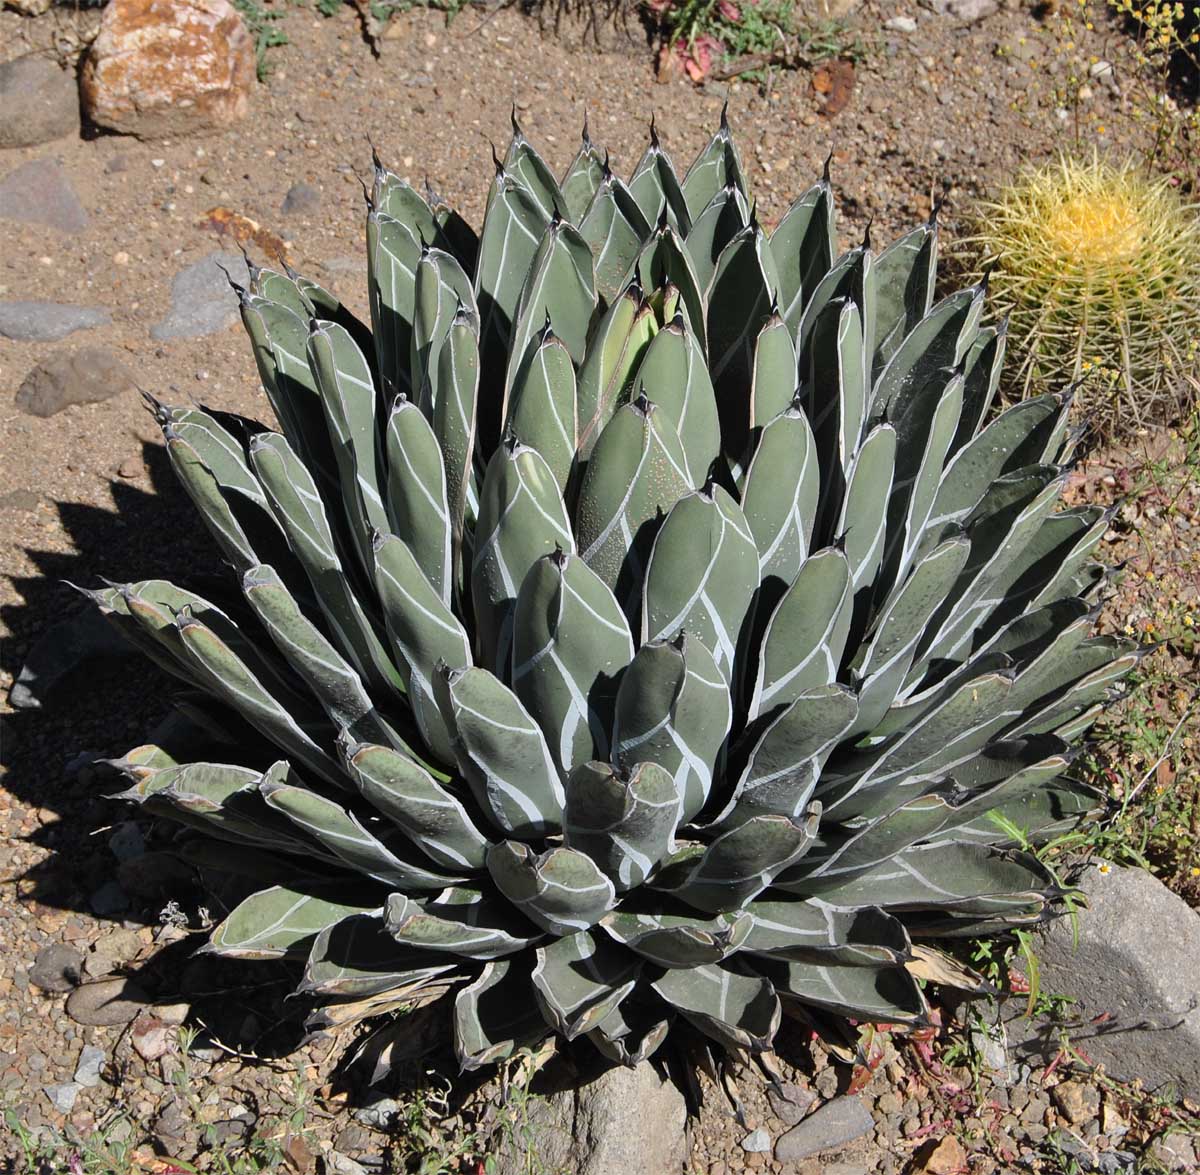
756	1142
29	7
379	1113
201	300
87	1068
38	102
1173	1153
1078	1101
1133	977
62	1097
47	322
344	1165
944	1157
39	192
836	1123
789	1103
967	11
106	1003
300	200
86	376
127	841
150	1036
56	968
622	1120
901	24
161	68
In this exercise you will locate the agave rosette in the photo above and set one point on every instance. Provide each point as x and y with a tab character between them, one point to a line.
645	611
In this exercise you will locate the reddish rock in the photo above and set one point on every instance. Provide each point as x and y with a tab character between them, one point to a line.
169	67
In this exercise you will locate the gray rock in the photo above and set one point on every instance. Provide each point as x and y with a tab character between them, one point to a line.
47	322
39	102
836	1123
56	968
378	1114
901	24
623	1120
87	1069
201	300
39	192
967	11
109	899
86	376
1134	980
300	200
789	1103
106	1003
62	1097
757	1142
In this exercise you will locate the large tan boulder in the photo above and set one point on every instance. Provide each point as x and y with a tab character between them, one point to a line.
169	67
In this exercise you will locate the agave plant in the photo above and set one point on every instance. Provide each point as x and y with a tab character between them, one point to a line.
646	613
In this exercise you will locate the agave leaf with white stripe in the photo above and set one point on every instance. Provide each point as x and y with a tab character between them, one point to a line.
561	890
736	1010
630	1035
441	289
803	244
424	634
418	805
680	940
458	922
674	709
527	167
656	188
815	932
665	261
494	1016
615	230
571	643
501	752
543	410
722	219
582	178
903	281
282	921
862	524
393	250
579	979
887	994
624	821
702	574
718	166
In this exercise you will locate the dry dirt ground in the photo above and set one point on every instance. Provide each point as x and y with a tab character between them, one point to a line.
947	109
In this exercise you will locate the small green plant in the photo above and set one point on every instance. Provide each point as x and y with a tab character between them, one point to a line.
264	26
1097	267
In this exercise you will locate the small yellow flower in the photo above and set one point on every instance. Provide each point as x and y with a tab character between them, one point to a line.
1189	620
1195	870
1105	868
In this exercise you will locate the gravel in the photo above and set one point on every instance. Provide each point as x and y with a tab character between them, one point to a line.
47	322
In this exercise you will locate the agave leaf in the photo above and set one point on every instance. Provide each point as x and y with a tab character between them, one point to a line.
803	245
454	427
393	250
512	230
418	508
741	299
336	685
343	834
628	1037
282	288
395	197
615	231
717	167
813	932
583	178
635	473
571	643
940	339
501	752
849	278
441	290
674	709
560	292
665	261
674	940
773	383
615	352
349	401
655	187
527	167
427	813
521	518
457	922
561	890
736	1010
494	1016
780	498
903	282
424	633
287	722
982	367
543	410
624	821
297	507
702	573
673	376
455	236
282	921
357	957
837	390
725	216
786	760
887	994
806	635
863	521
579	979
